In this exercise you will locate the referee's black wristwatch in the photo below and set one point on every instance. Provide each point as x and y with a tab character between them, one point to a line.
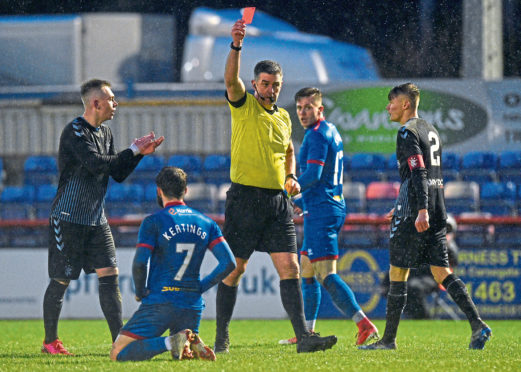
234	47
291	175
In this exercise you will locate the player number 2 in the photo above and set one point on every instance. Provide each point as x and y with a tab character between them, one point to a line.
189	249
435	146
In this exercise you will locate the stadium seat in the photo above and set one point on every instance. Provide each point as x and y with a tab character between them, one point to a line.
381	196
479	166
347	163
191	164
498	198
354	196
392	173
507	236
124	199
461	196
149	204
216	169
40	170
473	236
366	168
17	202
43	201
509	169
201	196
146	170
450	162
358	236
221	197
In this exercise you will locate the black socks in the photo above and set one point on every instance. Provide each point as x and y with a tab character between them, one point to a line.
110	301
396	300
291	296
52	306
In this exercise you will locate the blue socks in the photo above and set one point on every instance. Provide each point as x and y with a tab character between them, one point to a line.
312	295
342	295
142	349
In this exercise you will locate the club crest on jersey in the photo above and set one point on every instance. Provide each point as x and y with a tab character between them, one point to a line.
415	161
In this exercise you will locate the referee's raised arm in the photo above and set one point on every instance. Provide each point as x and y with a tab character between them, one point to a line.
234	85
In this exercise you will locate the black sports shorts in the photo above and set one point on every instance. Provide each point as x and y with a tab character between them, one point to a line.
258	219
409	248
73	247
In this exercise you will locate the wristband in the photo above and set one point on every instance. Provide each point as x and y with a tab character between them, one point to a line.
134	149
234	47
291	175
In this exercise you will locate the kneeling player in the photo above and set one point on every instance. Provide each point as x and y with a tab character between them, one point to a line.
175	240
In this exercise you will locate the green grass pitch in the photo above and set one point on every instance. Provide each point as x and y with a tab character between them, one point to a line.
434	345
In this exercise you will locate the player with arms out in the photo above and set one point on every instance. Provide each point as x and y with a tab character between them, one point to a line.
258	215
418	219
79	234
174	241
324	210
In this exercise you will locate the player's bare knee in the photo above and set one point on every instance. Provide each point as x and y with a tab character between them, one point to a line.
64	282
107	271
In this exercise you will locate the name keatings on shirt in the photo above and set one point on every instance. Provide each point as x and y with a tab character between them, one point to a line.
184	228
435	182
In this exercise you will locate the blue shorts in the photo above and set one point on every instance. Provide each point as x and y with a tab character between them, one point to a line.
321	237
153	320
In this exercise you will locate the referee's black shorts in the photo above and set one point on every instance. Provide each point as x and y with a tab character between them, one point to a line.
258	219
409	248
73	247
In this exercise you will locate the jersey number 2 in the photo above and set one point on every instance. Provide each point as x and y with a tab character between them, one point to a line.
435	146
189	249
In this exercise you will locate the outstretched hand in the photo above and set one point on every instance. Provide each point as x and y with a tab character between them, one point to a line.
148	143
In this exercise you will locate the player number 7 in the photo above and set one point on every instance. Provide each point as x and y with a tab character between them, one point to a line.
180	248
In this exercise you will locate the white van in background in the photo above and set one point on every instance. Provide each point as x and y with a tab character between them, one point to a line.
305	58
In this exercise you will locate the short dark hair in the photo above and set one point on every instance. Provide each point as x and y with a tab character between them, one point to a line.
309	92
172	181
268	67
408	89
92	84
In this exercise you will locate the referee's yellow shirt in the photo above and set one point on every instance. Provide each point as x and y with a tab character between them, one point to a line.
259	142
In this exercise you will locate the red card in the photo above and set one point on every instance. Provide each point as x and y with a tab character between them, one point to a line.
247	15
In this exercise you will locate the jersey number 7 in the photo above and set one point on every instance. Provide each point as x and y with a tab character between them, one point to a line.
189	249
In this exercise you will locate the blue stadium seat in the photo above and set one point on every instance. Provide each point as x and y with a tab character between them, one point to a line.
366	168
191	164
43	201
146	170
216	169
347	163
461	196
358	236
450	162
17	202
381	197
510	167
149	204
498	198
354	196
124	199
507	236
40	170
479	166
392	173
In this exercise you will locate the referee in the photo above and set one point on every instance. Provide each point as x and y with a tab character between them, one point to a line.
80	237
258	215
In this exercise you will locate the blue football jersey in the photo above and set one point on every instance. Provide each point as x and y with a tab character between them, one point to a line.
322	191
178	237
